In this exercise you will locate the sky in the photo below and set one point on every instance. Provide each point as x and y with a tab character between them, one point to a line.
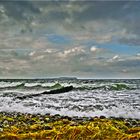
84	39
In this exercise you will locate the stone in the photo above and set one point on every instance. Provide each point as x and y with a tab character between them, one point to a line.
102	117
48	128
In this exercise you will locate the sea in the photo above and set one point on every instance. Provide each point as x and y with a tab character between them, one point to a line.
89	97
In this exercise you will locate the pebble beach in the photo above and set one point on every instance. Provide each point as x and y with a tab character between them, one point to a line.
19	126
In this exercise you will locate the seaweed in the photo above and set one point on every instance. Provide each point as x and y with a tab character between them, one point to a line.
17	126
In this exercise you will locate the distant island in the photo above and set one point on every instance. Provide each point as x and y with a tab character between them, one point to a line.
67	78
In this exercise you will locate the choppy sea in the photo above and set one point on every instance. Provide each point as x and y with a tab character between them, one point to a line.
117	98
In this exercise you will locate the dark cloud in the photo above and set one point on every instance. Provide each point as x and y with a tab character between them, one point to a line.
78	12
56	16
20	10
94	10
30	28
75	16
100	10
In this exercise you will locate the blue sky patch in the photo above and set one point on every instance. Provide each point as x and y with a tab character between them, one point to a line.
121	48
59	39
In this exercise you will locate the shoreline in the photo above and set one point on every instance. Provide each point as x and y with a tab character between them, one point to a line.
17	125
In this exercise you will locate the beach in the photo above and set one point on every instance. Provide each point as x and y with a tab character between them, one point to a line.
19	126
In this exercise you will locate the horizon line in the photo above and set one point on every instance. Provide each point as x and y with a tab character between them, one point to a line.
69	77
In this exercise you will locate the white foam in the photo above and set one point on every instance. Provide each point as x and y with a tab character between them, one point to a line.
77	103
31	84
9	84
47	84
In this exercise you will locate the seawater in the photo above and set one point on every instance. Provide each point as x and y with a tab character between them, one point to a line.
88	98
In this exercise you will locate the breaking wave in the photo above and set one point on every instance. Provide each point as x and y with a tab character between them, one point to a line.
107	86
95	98
79	103
117	86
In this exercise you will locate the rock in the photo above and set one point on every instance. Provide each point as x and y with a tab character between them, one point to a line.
133	122
66	117
120	119
73	124
56	115
1	129
31	121
81	122
65	121
91	119
51	120
48	128
102	117
128	124
5	122
113	118
96	117
75	118
69	118
47	114
46	120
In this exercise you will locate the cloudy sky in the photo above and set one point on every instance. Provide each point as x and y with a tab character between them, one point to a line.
94	39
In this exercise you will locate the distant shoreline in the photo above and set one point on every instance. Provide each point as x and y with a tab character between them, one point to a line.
69	78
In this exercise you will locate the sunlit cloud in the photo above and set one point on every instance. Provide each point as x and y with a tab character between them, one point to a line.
93	49
116	57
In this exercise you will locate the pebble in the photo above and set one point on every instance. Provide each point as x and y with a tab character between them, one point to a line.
102	117
14	118
73	124
48	128
128	124
133	122
66	117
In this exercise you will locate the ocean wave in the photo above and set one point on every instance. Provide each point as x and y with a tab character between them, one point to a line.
115	86
10	84
88	98
78	103
24	85
77	86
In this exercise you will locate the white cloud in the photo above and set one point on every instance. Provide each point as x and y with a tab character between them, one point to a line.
72	52
50	50
115	57
138	54
32	53
93	49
